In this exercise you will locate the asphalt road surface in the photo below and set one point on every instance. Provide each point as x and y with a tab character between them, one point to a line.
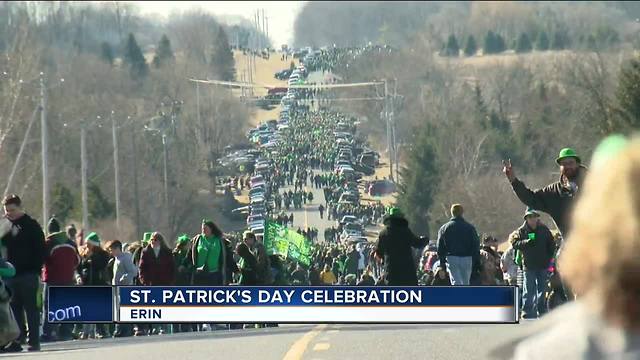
290	342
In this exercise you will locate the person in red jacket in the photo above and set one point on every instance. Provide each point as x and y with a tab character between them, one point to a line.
157	266
61	261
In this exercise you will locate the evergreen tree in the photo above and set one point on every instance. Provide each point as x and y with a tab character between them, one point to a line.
490	43
559	41
481	107
99	205
134	58
106	53
628	97
542	43
452	48
420	181
501	45
62	202
470	47
591	44
222	57
164	54
524	44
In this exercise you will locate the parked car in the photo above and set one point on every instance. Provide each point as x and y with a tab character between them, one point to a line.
347	233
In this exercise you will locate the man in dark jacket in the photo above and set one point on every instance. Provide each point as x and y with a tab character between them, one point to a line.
555	199
394	249
534	240
459	247
25	248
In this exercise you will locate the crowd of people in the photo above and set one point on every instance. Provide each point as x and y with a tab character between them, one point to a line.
331	58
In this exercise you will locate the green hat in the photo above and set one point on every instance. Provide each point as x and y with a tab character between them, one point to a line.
608	148
530	211
93	239
146	238
184	238
394	211
566	153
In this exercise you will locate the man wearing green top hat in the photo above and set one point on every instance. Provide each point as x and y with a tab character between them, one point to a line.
534	241
556	199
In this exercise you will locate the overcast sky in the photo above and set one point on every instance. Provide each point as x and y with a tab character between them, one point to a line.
280	14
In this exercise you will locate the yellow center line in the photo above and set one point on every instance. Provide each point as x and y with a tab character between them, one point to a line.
322	346
300	346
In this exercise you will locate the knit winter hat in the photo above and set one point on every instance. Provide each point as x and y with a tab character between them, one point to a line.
53	226
93	239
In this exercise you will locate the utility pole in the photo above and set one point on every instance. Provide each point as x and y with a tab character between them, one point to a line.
267	22
395	143
166	174
21	151
114	131
83	170
45	149
387	117
264	31
135	177
198	103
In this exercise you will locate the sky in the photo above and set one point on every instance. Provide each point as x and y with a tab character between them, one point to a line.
281	14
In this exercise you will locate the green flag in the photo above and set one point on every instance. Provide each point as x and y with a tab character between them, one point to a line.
288	243
274	239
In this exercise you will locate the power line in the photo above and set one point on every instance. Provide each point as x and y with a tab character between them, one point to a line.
301	86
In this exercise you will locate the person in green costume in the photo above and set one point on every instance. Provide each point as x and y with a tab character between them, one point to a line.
210	257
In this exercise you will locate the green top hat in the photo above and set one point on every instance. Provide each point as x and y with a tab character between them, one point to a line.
566	153
146	238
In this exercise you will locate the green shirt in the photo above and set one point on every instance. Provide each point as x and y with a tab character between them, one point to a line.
209	249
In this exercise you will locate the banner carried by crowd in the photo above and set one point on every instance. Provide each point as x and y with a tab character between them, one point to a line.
280	240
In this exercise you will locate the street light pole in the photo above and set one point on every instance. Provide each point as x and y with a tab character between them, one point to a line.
45	149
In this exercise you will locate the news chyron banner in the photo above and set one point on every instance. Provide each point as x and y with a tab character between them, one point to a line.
293	304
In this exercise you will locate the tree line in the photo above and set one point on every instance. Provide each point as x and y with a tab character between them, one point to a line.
118	63
458	122
494	43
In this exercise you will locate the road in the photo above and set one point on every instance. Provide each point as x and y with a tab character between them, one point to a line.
291	342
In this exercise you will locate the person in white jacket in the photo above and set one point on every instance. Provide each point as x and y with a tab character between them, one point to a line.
509	267
124	271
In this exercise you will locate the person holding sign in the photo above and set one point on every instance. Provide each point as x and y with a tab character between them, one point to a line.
535	245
